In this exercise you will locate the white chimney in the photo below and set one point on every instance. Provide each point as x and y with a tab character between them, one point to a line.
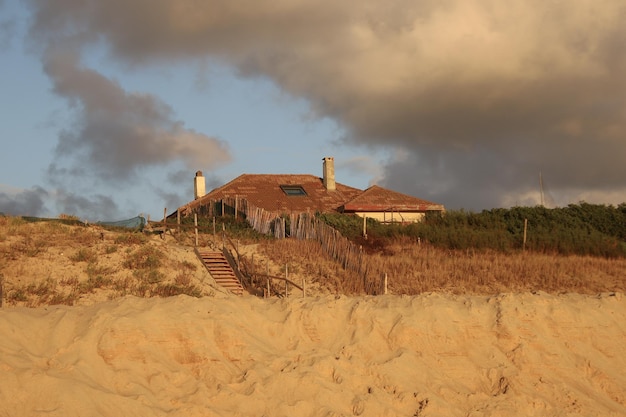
329	173
199	187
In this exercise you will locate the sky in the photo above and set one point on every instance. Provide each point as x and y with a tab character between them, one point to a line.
110	107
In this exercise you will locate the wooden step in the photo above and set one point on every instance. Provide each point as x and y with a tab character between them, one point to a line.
221	271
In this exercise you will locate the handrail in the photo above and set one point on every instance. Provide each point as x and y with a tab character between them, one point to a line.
235	267
244	276
280	279
251	275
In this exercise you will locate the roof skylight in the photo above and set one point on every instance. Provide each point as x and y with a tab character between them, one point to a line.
293	190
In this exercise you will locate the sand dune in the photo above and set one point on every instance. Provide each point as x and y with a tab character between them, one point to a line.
429	355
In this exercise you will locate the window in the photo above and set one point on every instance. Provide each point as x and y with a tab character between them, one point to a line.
293	190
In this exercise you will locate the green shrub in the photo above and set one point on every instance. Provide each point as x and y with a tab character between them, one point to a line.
110	249
130	239
582	229
149	276
84	255
146	257
17	295
170	290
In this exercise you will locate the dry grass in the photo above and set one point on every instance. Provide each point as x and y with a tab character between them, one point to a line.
47	263
306	259
412	269
415	269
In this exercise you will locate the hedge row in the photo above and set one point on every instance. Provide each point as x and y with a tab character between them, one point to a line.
583	229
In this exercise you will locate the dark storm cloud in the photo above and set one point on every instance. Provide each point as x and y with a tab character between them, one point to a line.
361	165
24	202
7	28
476	95
34	202
180	180
119	132
98	207
6	33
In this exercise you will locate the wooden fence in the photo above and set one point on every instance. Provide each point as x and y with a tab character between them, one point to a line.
298	226
308	226
228	206
251	278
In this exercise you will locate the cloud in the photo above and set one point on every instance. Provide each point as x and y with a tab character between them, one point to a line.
40	202
117	132
478	95
97	208
23	202
7	28
362	165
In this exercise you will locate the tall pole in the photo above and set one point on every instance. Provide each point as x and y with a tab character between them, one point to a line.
541	187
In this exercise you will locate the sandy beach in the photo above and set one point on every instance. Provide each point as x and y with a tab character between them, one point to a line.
428	355
313	208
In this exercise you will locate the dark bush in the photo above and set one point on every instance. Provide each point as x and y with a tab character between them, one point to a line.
583	229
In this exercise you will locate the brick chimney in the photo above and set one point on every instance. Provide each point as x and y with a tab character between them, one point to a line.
329	173
199	187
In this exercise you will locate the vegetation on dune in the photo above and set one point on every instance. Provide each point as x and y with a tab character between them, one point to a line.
579	248
413	268
578	229
138	272
234	227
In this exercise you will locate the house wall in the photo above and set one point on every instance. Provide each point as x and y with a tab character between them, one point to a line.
389	217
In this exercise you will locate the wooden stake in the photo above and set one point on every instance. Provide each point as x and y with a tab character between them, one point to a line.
303	288
365	227
385	284
252	273
267	276
195	222
525	227
164	223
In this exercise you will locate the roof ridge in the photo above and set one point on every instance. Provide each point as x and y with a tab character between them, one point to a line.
376	187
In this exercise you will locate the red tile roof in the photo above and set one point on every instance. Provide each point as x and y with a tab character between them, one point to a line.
380	199
263	191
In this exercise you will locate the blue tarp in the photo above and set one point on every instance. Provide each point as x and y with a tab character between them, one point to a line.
135	223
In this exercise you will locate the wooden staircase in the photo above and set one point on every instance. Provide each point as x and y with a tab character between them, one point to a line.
219	268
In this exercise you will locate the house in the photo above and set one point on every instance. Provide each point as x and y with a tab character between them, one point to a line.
290	193
389	206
